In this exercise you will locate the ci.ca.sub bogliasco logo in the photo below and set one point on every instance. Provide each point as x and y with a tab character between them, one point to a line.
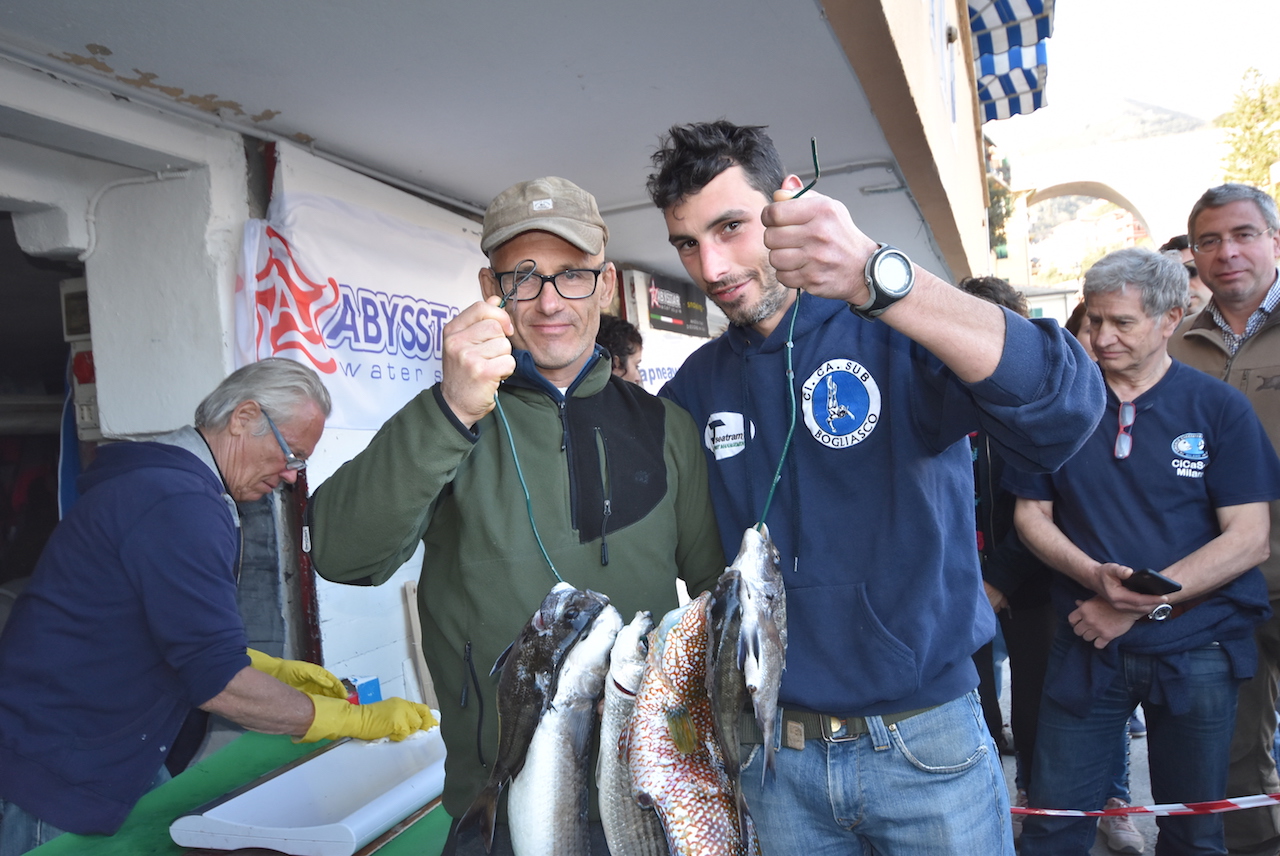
841	403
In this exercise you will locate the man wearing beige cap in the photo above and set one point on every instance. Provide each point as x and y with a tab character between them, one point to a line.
574	475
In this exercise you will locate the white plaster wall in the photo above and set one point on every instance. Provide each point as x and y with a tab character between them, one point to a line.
48	191
156	289
162	273
364	631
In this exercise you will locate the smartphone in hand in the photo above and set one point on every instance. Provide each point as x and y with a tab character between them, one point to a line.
1147	581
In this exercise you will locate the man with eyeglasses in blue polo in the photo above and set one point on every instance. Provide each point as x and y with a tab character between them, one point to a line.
528	463
1234	231
129	623
1176	479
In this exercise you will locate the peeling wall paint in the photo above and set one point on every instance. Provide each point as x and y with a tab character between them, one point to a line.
149	80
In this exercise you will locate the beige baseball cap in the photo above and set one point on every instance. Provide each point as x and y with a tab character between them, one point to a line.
550	204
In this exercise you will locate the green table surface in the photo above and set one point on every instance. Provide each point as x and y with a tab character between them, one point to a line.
146	830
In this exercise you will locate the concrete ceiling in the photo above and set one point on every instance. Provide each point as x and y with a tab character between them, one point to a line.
460	100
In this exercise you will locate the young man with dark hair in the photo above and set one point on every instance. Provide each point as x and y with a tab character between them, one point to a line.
883	742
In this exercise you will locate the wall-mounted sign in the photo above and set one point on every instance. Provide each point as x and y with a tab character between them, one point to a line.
678	306
360	296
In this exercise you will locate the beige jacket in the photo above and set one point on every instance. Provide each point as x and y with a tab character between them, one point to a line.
1255	371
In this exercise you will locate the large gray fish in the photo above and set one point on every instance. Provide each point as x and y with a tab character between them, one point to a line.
629	829
726	686
762	647
677	765
530	668
547	802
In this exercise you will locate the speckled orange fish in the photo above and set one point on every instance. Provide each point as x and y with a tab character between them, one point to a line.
677	765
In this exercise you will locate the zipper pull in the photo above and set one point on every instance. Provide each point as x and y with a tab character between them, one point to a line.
604	529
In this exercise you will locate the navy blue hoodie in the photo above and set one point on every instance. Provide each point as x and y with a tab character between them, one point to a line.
874	510
129	622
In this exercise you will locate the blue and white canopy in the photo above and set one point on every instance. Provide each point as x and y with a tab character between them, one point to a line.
1009	54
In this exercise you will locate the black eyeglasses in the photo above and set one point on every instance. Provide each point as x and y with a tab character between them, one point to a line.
573	284
1124	440
291	461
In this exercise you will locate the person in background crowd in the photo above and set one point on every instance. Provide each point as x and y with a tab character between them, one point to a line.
892	368
623	505
625	346
1182	488
1235	242
1120	831
1199	292
130	621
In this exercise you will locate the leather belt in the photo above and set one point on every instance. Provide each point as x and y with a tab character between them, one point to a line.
801	725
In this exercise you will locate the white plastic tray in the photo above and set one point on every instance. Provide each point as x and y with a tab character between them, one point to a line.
332	803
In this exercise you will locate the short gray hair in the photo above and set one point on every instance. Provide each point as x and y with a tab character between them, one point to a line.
1225	194
1160	279
280	387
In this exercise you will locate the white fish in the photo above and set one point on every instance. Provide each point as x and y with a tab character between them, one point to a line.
762	647
629	829
547	800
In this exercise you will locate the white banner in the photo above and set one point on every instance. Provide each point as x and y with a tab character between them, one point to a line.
360	296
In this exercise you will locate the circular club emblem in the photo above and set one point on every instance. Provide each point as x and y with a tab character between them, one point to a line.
1191	447
841	404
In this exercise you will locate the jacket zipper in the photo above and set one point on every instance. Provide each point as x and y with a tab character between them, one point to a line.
602	447
462	702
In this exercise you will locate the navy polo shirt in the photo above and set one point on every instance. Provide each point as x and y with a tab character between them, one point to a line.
1197	446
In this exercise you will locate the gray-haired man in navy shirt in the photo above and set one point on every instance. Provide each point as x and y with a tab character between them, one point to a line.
1176	478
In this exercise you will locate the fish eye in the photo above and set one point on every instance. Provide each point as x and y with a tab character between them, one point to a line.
644	644
571	613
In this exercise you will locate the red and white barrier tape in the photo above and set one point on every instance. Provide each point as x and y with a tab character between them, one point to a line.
1210	807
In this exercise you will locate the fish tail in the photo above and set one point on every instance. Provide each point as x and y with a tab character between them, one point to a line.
770	765
483	811
745	829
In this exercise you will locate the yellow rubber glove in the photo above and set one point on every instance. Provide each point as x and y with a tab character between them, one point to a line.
308	677
394	717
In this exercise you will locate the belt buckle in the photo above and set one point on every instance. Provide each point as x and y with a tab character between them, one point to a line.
836	730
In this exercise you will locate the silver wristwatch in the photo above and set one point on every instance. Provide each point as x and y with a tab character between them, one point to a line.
889	277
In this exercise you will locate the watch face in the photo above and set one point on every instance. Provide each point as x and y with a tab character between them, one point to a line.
893	274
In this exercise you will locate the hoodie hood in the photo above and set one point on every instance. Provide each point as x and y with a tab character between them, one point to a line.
117	459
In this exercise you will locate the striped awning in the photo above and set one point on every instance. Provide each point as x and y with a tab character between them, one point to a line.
1009	54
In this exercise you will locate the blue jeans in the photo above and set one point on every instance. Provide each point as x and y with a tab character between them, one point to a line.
1188	754
931	785
21	831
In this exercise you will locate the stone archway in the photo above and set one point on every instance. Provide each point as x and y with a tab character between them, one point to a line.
1090	188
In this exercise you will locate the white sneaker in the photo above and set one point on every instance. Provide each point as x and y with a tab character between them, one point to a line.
1120	833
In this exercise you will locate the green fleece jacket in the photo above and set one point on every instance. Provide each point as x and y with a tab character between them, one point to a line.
619	493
